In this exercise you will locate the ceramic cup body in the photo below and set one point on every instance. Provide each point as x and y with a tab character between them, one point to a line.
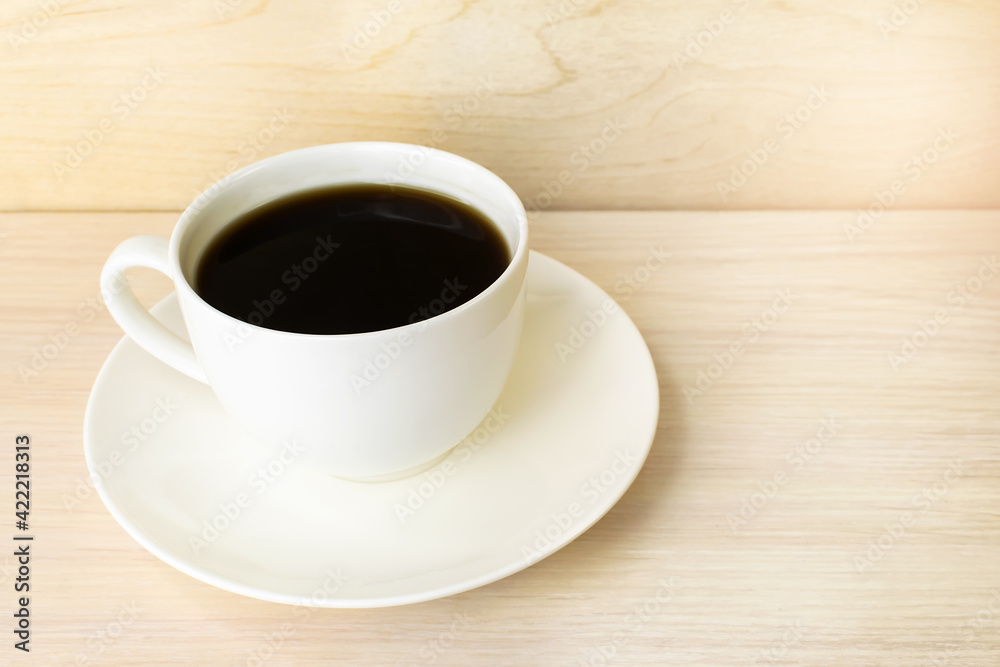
362	406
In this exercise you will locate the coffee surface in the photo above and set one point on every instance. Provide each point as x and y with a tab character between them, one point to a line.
351	259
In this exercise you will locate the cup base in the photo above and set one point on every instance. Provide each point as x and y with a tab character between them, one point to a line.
402	474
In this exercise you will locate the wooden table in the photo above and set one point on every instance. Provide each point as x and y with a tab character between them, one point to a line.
827	496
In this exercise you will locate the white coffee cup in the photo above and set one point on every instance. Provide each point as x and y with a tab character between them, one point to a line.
366	406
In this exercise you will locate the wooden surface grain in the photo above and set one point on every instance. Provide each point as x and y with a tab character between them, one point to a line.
797	507
633	104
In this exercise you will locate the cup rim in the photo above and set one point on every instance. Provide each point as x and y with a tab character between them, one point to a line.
201	202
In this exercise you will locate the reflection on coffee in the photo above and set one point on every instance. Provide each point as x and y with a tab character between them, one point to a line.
351	259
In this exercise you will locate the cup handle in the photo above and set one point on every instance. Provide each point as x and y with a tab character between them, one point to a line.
151	252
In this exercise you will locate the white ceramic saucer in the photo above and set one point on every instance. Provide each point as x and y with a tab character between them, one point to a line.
566	439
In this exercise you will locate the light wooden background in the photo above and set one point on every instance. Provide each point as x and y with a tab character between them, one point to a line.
166	97
785	588
558	70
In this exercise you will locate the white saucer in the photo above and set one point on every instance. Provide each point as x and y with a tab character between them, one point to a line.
579	412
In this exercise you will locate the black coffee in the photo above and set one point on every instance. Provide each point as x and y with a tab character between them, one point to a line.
350	259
